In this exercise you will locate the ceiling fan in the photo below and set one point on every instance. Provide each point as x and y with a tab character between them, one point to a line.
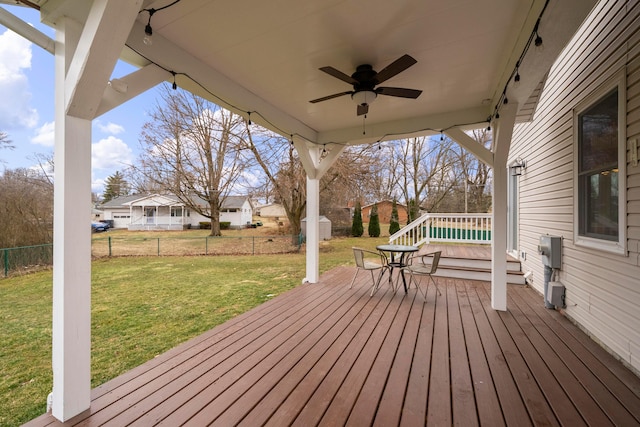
365	79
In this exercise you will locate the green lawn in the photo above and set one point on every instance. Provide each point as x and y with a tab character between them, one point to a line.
141	307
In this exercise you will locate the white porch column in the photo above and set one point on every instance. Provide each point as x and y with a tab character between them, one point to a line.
316	162
502	141
71	348
313	230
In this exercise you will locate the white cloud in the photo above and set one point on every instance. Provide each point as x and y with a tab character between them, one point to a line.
45	135
109	128
15	57
111	153
97	185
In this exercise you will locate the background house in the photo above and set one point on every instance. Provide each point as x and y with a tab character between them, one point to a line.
271	210
384	212
167	212
582	179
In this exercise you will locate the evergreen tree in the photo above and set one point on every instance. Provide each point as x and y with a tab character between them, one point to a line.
394	223
374	222
116	186
412	211
357	230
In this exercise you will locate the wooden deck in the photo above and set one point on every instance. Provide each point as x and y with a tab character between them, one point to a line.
324	354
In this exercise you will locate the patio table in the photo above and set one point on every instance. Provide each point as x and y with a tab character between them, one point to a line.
397	249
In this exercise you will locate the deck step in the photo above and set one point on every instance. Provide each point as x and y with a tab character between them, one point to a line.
469	268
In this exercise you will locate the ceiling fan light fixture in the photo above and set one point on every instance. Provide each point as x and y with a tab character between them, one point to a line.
364	97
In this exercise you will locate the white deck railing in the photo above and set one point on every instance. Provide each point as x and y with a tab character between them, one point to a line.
453	228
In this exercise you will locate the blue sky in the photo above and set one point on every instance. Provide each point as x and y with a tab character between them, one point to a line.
27	114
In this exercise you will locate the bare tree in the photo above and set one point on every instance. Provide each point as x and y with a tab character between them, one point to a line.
285	177
191	148
5	142
347	179
423	171
26	208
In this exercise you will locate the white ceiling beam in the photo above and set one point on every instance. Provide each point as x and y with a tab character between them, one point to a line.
210	84
125	88
27	31
471	145
399	129
103	36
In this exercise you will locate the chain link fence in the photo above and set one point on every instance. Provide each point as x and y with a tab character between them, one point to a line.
30	258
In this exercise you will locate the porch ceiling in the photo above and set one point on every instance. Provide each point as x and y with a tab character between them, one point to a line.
263	57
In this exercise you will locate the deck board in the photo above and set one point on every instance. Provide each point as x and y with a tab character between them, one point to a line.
325	354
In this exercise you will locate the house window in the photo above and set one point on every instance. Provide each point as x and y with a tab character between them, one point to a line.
600	187
176	211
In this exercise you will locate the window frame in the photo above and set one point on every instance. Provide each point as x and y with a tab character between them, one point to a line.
619	246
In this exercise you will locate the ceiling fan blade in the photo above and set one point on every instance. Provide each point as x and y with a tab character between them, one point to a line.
339	75
399	91
335	95
396	67
363	109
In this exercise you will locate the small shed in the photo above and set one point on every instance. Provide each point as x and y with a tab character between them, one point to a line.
325	227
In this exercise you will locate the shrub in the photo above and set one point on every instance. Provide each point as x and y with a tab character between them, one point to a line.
205	225
394	223
374	222
357	229
224	225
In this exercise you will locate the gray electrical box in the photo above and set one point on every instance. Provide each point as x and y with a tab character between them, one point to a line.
550	247
555	294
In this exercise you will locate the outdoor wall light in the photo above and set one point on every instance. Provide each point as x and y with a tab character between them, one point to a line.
518	167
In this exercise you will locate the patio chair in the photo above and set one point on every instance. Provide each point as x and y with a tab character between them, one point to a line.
423	265
370	261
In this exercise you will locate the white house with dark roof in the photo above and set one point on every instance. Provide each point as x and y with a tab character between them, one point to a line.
167	212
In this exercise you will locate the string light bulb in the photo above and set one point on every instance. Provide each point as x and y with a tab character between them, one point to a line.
249	118
538	41
174	85
148	31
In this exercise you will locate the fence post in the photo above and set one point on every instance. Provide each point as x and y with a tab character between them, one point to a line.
6	262
253	245
158	246
206	245
109	246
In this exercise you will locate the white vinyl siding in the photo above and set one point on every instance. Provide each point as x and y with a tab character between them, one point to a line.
602	287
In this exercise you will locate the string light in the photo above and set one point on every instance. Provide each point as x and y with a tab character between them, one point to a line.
538	41
174	85
534	39
148	31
